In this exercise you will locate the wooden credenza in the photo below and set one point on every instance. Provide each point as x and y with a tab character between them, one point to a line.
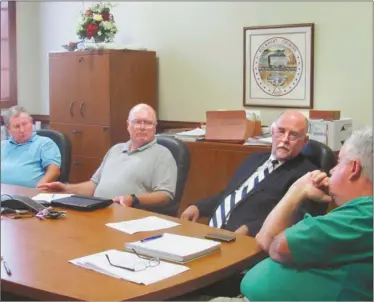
212	166
91	94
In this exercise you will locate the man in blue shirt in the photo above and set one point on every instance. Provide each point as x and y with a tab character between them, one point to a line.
27	159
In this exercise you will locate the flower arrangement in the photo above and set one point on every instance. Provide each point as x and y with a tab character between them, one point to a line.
98	23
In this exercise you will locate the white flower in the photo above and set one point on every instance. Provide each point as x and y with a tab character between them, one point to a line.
107	25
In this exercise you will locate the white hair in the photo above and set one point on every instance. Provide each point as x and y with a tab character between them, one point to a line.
14	111
359	146
141	106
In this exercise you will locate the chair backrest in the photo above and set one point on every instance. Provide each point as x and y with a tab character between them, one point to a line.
319	154
325	159
181	155
63	143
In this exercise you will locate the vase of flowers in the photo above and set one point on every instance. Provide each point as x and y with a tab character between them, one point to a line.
97	24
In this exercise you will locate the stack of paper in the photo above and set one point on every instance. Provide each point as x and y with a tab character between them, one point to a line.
99	262
174	247
191	135
150	223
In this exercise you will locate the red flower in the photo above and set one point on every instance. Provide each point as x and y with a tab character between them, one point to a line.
91	30
105	16
89	12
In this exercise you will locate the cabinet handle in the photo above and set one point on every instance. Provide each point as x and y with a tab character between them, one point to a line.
81	109
71	109
105	128
77	163
81	59
77	131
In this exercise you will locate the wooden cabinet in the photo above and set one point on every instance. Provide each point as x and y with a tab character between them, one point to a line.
91	94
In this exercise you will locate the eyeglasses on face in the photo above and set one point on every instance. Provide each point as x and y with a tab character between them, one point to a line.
138	266
292	135
138	123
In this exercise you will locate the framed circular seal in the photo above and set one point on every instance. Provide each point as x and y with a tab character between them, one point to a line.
277	66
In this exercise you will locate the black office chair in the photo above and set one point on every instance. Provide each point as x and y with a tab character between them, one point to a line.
181	155
63	143
319	154
325	159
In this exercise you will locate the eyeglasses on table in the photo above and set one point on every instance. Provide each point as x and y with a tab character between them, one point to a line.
138	266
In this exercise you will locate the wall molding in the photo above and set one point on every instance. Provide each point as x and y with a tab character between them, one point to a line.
41	118
162	125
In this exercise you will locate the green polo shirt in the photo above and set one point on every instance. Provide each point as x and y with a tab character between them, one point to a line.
333	259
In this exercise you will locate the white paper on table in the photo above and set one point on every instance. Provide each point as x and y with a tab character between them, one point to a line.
98	262
49	197
150	223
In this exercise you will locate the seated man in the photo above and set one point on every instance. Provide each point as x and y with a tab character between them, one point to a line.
325	258
27	159
139	173
261	181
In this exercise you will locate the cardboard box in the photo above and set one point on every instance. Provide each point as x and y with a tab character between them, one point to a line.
230	126
331	133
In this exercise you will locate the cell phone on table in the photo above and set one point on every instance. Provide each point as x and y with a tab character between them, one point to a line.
220	237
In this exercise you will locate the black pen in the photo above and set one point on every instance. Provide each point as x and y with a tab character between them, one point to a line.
7	269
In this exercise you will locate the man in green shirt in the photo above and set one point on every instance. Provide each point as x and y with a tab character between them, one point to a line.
323	258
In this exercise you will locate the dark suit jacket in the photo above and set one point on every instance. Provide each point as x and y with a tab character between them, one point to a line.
255	207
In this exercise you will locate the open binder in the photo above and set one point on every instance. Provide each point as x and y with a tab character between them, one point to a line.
172	247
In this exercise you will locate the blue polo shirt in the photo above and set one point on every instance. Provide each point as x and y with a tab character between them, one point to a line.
24	164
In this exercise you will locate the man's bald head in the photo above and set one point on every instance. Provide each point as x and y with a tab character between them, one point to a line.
142	107
295	116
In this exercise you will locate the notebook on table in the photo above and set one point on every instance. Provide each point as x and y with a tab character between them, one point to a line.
172	247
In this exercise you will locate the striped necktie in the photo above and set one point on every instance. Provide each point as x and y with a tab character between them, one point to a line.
221	214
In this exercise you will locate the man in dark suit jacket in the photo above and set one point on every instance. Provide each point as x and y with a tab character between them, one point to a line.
247	214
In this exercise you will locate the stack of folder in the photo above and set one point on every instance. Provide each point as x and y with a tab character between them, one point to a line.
174	247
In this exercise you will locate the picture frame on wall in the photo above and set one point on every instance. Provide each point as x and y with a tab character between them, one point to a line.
278	66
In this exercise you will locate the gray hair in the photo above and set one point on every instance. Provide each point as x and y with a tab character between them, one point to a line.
141	106
14	111
360	146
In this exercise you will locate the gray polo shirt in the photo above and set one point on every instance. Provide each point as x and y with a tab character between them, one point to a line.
150	168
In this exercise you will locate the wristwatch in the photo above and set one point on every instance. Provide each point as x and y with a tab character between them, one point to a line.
135	200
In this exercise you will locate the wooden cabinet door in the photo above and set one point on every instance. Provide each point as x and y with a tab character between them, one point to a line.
82	168
93	84
63	80
88	141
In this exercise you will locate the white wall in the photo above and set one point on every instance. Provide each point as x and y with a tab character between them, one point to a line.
28	58
200	50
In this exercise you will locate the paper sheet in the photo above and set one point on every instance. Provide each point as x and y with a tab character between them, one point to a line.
49	197
150	223
98	262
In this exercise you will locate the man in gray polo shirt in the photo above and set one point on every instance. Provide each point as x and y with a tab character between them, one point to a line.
139	173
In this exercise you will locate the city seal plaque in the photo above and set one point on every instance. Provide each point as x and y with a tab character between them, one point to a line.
277	66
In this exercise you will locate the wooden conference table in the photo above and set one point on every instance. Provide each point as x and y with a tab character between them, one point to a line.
38	252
